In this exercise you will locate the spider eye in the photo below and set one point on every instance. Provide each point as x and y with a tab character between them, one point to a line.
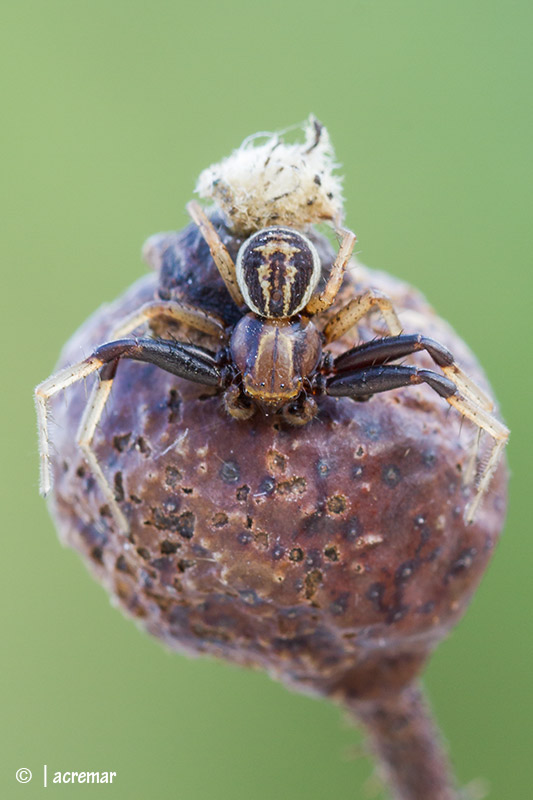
277	271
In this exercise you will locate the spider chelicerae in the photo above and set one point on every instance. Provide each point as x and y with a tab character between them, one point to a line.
273	359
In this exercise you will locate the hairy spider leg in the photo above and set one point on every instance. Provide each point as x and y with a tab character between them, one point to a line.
365	378
350	314
173	310
84	437
382	351
186	361
356	309
218	250
500	435
324	300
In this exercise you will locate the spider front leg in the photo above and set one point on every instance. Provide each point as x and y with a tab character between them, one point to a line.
186	361
173	310
362	382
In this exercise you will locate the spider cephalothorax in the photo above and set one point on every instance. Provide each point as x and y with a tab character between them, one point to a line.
271	357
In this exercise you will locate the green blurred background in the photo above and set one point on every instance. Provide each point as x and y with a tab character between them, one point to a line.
110	110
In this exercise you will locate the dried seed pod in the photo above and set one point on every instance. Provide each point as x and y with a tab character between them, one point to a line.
335	556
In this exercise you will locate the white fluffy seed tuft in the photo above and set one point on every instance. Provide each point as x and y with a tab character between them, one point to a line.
270	182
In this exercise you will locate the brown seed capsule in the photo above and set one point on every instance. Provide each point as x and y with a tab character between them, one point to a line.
334	555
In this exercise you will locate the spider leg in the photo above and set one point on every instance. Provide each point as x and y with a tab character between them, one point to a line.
186	361
500	435
362	383
382	351
219	252
176	311
323	300
350	314
89	421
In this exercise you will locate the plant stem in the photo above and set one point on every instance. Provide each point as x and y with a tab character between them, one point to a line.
407	744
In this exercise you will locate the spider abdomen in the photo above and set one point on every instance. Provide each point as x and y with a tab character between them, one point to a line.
274	356
277	270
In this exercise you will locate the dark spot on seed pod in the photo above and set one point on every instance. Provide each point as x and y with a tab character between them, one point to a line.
427	608
143	552
185	563
97	554
296	554
118	486
323	468
360	451
122	565
187	490
230	472
135	499
182	523
120	442
142	446
353	529
313	580
315	523
391	475
332	553
396	613
242	493
463	561
336	504
167	547
80	472
373	431
433	555
173	405
186	522
358	472
340	604
294	486
429	459
317	180
275	461
250	597
278	552
220	519
267	485
375	595
405	571
245	537
172	476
